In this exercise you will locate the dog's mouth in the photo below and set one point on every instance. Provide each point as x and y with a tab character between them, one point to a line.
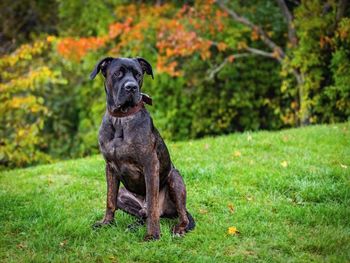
129	103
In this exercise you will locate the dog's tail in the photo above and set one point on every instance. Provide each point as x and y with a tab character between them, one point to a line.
191	225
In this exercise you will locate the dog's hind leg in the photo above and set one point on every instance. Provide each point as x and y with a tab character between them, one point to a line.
177	192
131	203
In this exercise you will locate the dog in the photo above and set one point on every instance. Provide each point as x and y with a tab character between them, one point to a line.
135	153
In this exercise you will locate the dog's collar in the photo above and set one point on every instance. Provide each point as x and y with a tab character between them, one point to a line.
141	104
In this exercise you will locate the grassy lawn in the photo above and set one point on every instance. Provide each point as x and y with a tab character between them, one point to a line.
287	193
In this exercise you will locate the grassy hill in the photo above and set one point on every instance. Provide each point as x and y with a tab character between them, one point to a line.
287	193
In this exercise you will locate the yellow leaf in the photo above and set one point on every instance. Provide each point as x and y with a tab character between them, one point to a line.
50	39
203	211
231	207
241	45
284	164
237	154
21	132
63	243
232	230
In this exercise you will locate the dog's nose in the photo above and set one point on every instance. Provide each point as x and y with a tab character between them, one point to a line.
130	87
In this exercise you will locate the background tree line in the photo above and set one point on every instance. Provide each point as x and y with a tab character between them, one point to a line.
221	66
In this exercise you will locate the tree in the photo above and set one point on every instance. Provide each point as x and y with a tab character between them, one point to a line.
285	55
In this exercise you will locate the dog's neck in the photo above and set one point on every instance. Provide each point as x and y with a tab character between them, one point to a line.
132	110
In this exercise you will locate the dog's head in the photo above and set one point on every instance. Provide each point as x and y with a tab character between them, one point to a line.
123	80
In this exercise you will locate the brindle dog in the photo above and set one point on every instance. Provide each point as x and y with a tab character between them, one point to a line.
136	154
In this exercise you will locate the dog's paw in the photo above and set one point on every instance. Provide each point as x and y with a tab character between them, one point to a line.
143	213
151	237
178	231
103	223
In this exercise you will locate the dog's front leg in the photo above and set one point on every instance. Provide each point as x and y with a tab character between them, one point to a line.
112	194
151	172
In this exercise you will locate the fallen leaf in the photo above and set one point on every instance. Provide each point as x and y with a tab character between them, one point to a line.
21	245
343	166
203	211
249	198
284	164
231	207
63	243
206	146
113	259
237	154
232	230
248	252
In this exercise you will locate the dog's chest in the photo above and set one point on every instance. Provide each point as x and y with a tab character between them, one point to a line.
129	153
130	173
118	129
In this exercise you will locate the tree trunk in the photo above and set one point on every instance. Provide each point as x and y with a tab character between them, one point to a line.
303	113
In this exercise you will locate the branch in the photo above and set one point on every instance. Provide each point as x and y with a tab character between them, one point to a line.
292	36
264	53
253	51
223	64
264	37
285	11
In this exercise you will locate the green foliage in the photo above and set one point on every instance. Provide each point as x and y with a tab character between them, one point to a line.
287	193
334	102
22	106
85	18
235	104
37	107
322	59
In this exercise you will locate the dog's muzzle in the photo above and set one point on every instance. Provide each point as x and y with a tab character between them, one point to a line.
130	87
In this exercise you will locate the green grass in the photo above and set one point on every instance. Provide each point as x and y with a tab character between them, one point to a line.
290	193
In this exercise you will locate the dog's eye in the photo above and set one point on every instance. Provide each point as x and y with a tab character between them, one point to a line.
119	74
138	75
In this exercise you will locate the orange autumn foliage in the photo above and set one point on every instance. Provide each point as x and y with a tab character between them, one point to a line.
118	28
174	33
76	49
173	40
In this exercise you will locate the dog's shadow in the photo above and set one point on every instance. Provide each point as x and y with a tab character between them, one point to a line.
127	223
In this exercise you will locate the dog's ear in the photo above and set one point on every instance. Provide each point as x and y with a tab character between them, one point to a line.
146	66
102	65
